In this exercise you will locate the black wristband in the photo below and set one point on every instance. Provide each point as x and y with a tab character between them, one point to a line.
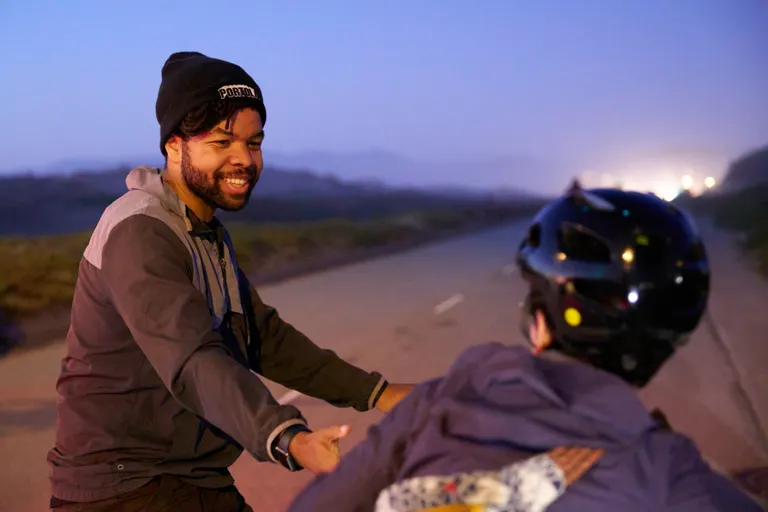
281	443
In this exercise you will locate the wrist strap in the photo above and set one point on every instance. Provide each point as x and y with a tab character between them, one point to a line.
379	393
282	442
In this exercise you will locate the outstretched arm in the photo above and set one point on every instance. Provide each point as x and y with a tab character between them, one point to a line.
290	358
372	465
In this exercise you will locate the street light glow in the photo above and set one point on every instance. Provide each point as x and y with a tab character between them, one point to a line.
667	192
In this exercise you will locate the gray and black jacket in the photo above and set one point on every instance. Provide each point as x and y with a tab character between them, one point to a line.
164	352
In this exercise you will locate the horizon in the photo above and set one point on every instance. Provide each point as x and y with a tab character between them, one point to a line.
569	88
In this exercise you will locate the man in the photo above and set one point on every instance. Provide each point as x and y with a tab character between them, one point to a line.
508	430
159	388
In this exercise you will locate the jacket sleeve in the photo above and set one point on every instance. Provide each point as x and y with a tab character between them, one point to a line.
146	270
289	358
375	463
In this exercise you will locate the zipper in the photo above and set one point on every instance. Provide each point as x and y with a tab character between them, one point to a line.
243	352
220	249
220	246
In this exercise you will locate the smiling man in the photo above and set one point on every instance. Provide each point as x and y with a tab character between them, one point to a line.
159	392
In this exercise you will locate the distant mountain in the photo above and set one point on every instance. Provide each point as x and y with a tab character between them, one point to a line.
485	175
71	195
373	168
46	204
38	204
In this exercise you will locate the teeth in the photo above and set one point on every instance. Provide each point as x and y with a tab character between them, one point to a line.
236	182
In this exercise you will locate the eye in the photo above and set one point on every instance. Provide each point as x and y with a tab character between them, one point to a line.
255	145
221	143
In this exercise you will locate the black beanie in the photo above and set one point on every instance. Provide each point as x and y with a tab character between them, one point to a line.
190	79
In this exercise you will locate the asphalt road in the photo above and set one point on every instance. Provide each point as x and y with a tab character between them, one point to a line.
408	316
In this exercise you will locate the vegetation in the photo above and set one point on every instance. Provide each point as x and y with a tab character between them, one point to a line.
749	170
740	203
39	272
744	211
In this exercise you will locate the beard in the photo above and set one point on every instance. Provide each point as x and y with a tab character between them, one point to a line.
209	187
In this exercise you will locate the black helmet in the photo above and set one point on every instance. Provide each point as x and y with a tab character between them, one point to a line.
622	278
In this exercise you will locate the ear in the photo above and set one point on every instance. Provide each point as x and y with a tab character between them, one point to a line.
173	149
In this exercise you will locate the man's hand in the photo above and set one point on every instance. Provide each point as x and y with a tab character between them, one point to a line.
392	394
318	451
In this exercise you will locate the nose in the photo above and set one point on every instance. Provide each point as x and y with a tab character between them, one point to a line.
240	156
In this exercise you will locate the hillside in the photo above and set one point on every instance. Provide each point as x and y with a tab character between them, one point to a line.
296	222
51	204
375	168
748	170
740	204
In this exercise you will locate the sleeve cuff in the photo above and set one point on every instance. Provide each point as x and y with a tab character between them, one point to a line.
376	393
277	431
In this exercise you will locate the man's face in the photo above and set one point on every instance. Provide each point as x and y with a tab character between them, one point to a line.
222	166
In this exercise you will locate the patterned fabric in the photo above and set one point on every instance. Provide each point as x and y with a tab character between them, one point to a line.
527	486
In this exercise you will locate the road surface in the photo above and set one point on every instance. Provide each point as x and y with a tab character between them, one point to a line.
408	316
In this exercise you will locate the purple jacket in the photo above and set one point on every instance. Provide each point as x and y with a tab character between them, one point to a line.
498	406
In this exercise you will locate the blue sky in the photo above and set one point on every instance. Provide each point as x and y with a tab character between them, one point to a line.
579	82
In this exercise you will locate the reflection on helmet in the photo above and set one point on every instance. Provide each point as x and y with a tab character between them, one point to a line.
622	277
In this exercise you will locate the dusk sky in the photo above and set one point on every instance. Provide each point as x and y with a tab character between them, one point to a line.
573	82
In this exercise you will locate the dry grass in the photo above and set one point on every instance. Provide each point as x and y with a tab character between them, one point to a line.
38	272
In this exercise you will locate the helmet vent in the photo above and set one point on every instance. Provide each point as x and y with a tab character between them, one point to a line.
533	239
580	245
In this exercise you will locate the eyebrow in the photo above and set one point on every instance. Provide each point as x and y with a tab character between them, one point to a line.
222	131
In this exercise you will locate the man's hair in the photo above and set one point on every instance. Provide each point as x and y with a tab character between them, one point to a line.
208	115
205	117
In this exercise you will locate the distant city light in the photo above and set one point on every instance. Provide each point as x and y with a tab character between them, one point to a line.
667	192
667	183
